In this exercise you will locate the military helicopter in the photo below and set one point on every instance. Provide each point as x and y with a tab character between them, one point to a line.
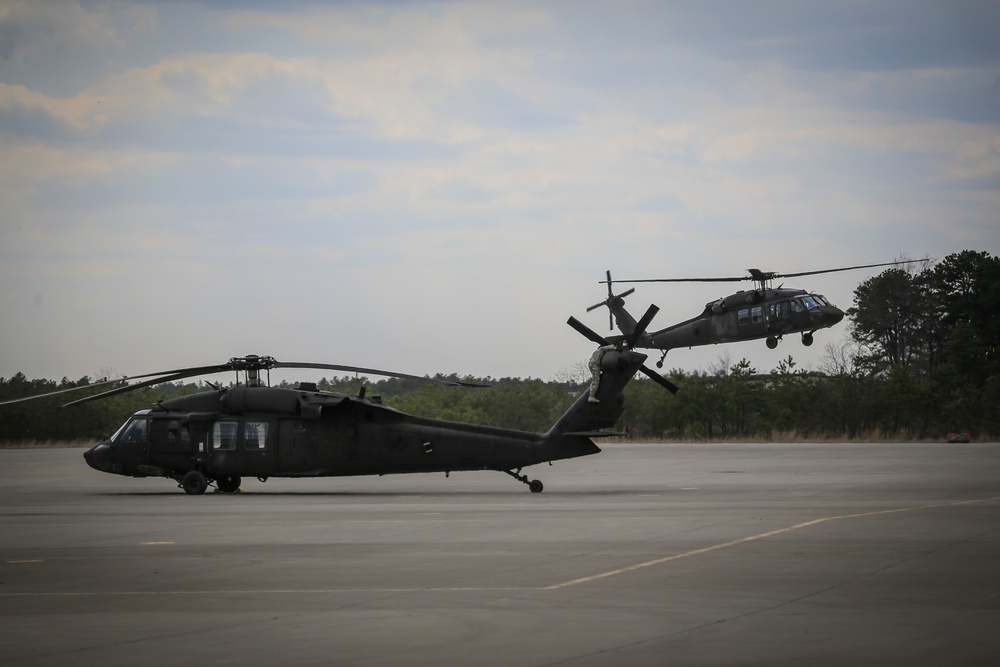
764	312
221	436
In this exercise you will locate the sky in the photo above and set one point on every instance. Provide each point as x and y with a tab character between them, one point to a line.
435	187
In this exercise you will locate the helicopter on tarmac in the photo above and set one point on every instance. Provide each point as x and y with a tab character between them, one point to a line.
254	430
764	312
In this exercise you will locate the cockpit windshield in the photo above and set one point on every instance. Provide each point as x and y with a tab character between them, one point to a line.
811	301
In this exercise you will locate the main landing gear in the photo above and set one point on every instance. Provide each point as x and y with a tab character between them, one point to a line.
772	341
195	483
534	485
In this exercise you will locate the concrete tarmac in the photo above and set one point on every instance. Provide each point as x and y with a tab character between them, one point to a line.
675	554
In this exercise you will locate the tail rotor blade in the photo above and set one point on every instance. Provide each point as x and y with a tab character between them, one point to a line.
586	331
610	302
611	296
611	299
660	380
640	326
600	340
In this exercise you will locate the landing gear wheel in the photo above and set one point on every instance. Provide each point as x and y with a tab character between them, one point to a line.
807	339
771	342
194	483
228	483
533	484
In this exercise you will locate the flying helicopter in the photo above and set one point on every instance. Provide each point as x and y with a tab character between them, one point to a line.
221	436
766	312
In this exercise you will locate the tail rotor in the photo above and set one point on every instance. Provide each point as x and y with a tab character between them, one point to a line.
637	334
612	302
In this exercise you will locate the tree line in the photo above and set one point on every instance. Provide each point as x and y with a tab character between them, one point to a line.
920	362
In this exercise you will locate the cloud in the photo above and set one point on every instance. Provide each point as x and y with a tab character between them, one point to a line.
29	28
437	186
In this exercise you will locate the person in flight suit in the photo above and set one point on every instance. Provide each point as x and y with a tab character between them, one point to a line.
595	370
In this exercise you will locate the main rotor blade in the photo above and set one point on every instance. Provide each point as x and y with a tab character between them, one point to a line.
660	380
845	268
251	362
61	391
586	331
767	275
373	371
139	385
686	280
201	370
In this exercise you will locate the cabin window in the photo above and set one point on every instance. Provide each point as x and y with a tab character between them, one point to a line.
224	435
137	432
743	317
757	315
177	434
255	435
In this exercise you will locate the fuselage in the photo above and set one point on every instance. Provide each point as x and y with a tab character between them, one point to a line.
283	433
254	431
749	315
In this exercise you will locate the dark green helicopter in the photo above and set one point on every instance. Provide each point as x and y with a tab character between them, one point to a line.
764	312
253	430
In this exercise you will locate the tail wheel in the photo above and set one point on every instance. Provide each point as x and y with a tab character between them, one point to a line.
533	484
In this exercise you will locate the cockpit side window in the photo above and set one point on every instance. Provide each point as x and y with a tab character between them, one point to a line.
137	432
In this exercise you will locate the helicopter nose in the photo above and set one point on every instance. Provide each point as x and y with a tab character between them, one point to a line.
98	457
825	316
832	315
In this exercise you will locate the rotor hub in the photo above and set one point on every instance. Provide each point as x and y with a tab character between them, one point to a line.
252	362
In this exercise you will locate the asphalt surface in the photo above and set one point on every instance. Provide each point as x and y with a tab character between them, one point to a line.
718	554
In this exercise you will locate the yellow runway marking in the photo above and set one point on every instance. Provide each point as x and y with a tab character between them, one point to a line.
751	538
